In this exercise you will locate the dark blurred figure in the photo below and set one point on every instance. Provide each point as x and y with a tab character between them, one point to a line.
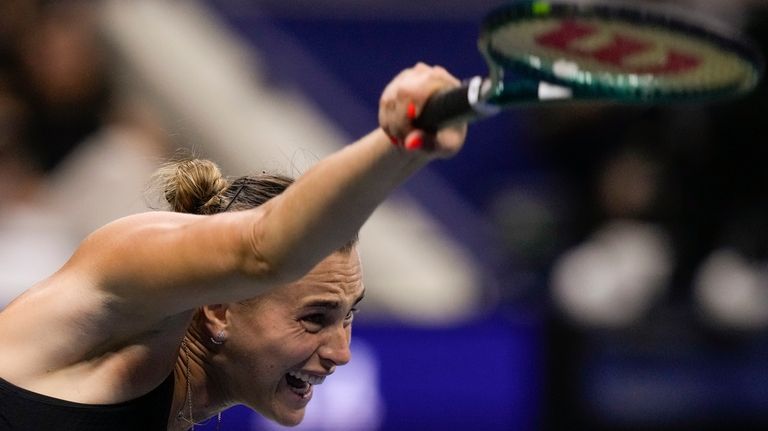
18	172
680	345
59	67
32	239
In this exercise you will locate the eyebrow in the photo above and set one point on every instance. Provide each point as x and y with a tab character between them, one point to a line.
332	304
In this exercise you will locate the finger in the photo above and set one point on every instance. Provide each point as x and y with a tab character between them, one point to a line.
411	111
415	140
449	140
402	100
446	76
426	84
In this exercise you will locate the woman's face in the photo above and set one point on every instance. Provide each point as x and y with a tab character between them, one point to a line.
289	339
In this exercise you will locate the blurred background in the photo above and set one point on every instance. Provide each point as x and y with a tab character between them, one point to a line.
576	267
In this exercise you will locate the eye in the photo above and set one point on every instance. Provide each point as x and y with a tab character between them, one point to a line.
314	322
351	315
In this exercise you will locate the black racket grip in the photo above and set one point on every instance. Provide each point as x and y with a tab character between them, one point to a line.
444	108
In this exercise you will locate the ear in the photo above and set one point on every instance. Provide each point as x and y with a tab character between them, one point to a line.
216	321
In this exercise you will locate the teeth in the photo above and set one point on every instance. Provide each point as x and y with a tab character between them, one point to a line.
307	378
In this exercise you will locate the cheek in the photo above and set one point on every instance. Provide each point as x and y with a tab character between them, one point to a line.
254	347
272	341
298	347
284	348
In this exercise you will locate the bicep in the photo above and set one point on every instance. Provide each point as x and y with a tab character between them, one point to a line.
174	261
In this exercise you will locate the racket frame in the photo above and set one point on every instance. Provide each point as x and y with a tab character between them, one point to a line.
523	79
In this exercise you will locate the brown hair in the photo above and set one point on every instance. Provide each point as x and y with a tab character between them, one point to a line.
197	186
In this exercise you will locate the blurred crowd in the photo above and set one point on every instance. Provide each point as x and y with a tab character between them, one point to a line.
73	149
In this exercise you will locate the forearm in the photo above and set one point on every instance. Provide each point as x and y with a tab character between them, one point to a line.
327	206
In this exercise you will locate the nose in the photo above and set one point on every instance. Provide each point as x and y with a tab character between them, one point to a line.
335	347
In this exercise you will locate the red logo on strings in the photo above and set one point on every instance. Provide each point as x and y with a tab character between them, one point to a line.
616	51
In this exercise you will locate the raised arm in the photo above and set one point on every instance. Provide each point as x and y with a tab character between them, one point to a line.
177	261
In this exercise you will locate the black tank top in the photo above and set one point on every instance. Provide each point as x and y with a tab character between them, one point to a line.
22	410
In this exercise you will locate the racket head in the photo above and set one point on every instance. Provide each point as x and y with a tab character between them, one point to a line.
614	51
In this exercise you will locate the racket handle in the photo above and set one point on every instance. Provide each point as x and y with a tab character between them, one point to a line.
463	103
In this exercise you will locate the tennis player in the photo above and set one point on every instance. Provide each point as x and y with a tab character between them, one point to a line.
245	294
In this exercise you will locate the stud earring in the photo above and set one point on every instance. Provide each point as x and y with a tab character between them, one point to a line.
219	338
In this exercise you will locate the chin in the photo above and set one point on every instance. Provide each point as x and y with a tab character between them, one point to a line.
289	419
280	414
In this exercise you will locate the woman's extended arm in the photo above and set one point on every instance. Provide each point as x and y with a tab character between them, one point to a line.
177	261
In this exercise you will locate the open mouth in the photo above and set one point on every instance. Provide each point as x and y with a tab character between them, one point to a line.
301	383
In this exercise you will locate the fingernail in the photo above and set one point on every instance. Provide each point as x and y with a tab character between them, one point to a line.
411	113
415	143
394	140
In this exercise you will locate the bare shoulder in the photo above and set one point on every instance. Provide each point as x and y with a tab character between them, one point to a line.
152	220
70	328
107	326
66	339
148	253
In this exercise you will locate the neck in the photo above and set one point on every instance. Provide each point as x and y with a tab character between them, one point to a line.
198	393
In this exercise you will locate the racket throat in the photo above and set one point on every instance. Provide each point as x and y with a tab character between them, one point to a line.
549	91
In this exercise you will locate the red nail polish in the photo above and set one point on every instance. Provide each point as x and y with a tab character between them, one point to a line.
394	140
415	143
411	113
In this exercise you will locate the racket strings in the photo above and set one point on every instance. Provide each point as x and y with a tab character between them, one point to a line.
619	53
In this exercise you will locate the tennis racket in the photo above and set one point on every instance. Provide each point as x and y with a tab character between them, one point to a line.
543	51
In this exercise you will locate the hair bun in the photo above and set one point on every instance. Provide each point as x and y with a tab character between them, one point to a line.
193	186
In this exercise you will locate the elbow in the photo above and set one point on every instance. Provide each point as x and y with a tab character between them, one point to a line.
256	267
261	259
273	270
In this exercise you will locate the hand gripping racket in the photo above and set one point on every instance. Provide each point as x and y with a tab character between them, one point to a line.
540	51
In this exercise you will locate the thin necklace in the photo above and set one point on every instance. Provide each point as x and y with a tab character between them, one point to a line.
188	395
